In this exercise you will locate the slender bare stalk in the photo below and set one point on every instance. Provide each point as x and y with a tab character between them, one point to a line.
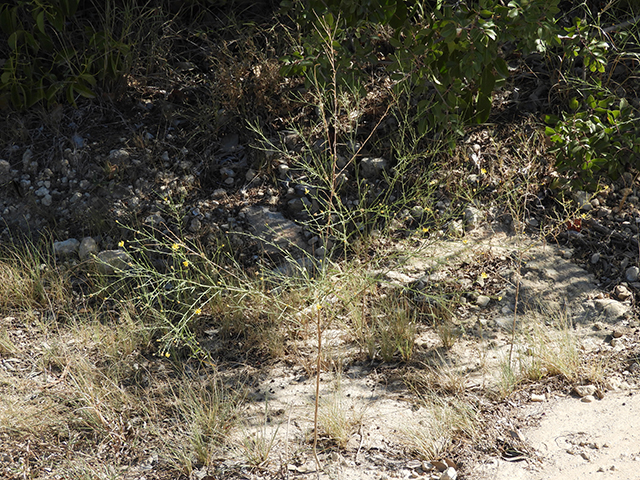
318	366
515	310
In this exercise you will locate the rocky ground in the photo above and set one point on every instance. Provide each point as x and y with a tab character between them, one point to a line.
83	180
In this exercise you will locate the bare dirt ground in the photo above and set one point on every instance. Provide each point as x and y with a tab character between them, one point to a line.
574	439
540	431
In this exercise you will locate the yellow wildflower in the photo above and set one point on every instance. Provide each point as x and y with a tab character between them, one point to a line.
121	243
198	311
175	247
185	263
167	354
484	275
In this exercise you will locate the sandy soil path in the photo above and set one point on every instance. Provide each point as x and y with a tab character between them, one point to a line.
576	440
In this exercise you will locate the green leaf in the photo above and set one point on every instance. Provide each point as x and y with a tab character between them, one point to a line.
400	16
69	93
84	90
487	81
13	41
574	104
551	120
40	21
88	78
501	67
483	108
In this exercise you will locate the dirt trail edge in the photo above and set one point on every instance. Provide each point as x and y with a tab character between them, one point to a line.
575	439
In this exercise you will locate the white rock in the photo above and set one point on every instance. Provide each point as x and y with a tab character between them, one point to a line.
26	157
75	197
195	225
88	247
584	390
47	200
595	258
372	168
472	217
622	292
110	261
417	213
5	169
582	199
456	229
118	155
632	274
67	247
227	172
538	398
449	474
483	300
283	171
154	220
587	399
276	233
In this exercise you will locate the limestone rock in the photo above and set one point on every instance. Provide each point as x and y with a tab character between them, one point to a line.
372	168
584	390
88	247
110	261
449	474
67	247
483	301
472	217
274	232
632	274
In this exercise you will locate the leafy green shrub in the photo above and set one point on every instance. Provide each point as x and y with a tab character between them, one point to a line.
52	50
601	135
451	56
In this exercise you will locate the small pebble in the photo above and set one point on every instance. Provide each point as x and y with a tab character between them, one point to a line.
449	474
632	274
584	390
587	399
538	398
595	258
483	301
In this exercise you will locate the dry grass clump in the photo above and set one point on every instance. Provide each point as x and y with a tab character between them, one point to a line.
206	412
444	422
544	350
338	417
30	279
